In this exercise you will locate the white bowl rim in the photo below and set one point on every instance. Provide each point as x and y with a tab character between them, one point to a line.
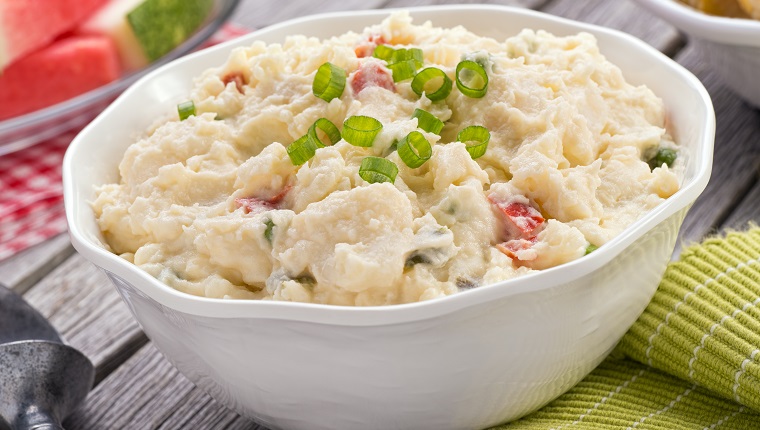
401	313
730	31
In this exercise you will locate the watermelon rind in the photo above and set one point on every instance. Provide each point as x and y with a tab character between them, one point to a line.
162	25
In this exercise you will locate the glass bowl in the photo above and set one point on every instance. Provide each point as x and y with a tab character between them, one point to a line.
25	130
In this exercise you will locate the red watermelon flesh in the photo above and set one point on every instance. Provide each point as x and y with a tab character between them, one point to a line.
64	69
26	25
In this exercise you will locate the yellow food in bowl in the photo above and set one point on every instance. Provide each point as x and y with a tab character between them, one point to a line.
729	8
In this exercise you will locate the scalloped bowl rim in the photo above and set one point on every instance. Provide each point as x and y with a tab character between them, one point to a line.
400	313
731	31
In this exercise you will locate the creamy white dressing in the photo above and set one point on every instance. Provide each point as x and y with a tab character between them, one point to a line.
213	205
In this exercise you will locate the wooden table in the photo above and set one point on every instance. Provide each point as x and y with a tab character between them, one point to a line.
137	388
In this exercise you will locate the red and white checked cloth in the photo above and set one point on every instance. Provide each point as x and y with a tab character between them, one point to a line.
31	193
31	202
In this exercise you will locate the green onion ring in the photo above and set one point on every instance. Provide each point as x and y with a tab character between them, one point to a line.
328	127
361	130
377	169
383	52
425	76
476	68
480	135
403	70
427	121
402	54
414	149
185	109
417	56
329	82
301	150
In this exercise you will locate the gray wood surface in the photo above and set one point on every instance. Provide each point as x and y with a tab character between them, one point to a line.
149	393
137	388
26	268
261	13
748	210
622	15
87	311
736	159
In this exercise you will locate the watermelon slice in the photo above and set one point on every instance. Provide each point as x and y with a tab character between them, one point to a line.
144	30
26	25
64	69
111	20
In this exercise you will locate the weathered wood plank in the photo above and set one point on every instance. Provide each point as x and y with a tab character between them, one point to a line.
259	14
149	393
200	411
737	154
26	268
748	210
255	14
85	308
622	15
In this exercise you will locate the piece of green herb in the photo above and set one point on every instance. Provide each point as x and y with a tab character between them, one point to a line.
663	156
268	233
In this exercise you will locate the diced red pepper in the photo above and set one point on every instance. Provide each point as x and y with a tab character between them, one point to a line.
525	218
256	204
367	48
275	200
372	75
510	248
237	78
252	204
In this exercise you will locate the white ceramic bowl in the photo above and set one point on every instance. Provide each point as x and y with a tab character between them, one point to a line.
731	45
470	360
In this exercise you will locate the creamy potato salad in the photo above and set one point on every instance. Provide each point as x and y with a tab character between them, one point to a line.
405	163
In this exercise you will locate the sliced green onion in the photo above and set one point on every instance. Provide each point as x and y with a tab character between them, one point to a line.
326	126
477	134
469	68
591	248
268	230
185	109
414	149
427	121
377	169
383	52
413	54
301	150
403	70
663	156
361	130
392	56
329	82
398	55
417	56
422	78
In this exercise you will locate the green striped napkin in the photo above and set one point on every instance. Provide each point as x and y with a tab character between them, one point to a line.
691	361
